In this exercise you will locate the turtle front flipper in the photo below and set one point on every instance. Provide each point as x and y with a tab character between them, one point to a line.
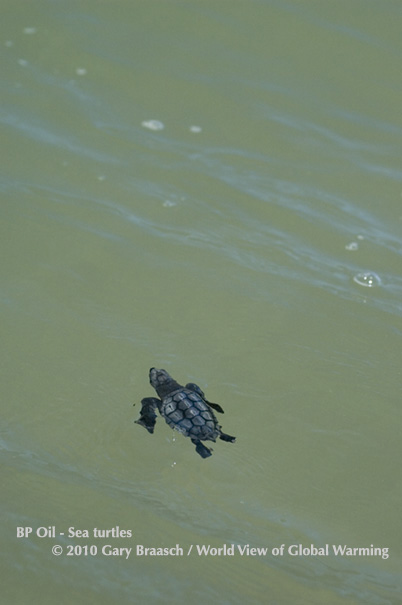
148	417
216	406
200	448
194	387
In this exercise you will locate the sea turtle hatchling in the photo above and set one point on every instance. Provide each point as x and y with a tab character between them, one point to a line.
184	409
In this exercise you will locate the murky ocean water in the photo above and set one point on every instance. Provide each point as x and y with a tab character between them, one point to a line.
213	188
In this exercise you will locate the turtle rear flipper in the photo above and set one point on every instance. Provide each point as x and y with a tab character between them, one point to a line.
200	448
225	437
147	418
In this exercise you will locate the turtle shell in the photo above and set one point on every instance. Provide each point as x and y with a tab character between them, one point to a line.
187	412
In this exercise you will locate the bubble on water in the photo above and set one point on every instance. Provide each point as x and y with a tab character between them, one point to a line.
369	279
29	30
23	62
153	124
195	129
352	246
168	204
81	71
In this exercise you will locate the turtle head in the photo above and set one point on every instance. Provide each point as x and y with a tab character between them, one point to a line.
162	382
